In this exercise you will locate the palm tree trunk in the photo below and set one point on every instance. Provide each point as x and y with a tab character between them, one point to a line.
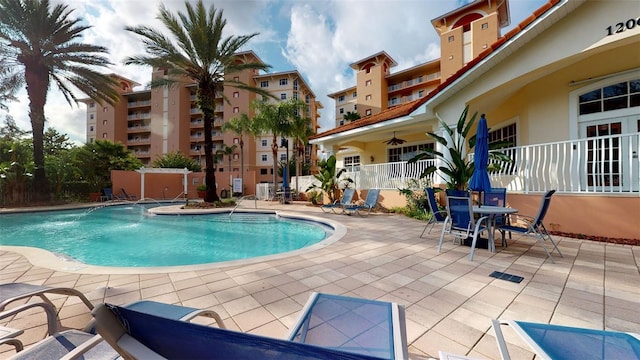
242	164
274	150
207	105
37	80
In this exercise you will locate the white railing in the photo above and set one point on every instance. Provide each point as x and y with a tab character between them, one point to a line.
601	165
606	164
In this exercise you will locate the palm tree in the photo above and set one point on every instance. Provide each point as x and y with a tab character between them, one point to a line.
44	40
10	79
269	120
241	125
301	131
203	56
228	152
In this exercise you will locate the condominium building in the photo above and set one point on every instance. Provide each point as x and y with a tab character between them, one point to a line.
464	34
157	121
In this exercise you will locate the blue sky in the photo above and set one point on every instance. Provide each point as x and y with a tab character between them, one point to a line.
319	38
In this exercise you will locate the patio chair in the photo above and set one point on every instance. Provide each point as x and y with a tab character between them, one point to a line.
137	335
459	193
347	197
125	196
437	215
108	194
369	203
11	292
461	224
533	226
497	197
564	342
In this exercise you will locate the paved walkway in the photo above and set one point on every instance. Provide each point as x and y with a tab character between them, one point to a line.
449	300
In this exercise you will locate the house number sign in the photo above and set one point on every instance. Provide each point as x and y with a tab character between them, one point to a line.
623	26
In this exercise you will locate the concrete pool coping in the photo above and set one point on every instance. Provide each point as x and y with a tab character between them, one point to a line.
46	259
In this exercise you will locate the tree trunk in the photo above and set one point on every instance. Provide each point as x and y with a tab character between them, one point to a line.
274	150
207	105
37	80
242	164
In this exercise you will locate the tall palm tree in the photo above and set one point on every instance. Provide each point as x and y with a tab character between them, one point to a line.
10	79
241	125
228	152
301	131
275	119
198	52
45	42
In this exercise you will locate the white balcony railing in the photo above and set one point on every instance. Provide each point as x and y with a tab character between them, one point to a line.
600	165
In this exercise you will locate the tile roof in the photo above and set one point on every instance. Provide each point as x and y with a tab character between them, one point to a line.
407	108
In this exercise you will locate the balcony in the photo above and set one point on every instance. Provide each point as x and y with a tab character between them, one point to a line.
413	82
132	104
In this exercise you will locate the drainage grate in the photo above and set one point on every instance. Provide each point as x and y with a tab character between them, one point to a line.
505	276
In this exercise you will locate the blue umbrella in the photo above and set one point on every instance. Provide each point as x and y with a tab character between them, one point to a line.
480	178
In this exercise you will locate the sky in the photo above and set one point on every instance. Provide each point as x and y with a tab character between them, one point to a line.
319	38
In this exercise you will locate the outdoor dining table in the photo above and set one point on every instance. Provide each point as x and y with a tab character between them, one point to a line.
492	212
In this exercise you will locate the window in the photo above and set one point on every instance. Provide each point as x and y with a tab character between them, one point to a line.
420	93
341	98
104	135
105	122
404	153
236	110
91	116
307	98
283	96
284	82
613	97
91	128
419	79
236	169
263	171
236	78
341	111
263	142
504	134
355	107
367	112
341	122
283	157
450	39
263	157
264	84
236	157
105	109
367	83
393	101
295	95
367	98
352	163
236	140
484	26
295	84
236	94
92	104
90	140
355	94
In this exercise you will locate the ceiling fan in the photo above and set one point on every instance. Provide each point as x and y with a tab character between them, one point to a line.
394	140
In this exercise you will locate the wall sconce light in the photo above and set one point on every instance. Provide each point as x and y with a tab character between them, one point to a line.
371	158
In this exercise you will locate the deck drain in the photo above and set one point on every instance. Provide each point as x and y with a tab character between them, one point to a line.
505	276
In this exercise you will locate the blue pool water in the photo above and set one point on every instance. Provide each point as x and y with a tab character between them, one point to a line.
127	235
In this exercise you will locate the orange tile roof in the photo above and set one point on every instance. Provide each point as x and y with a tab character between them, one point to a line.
407	108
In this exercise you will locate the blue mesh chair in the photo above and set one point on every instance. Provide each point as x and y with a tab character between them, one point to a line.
369	203
459	193
347	197
460	222
497	197
437	215
533	226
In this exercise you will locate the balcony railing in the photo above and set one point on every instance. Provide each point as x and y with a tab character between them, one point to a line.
139	103
599	165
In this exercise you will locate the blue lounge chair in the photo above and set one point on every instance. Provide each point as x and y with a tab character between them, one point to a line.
437	215
108	194
124	196
565	342
137	335
369	203
347	197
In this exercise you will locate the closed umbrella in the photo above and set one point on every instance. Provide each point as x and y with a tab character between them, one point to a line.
480	178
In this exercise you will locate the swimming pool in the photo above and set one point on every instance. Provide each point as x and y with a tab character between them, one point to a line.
130	236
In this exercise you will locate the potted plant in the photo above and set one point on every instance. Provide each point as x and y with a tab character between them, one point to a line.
202	191
330	179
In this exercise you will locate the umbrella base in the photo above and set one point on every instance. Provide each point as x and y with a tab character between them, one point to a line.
481	243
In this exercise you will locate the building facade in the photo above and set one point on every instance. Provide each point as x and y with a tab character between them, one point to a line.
157	121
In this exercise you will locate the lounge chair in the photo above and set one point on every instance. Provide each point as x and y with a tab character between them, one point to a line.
148	336
564	342
369	203
461	224
347	197
107	194
437	215
124	196
533	226
11	292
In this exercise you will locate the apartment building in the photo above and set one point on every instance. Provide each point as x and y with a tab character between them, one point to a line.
154	122
464	34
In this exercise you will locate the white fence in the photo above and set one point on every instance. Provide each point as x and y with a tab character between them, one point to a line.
607	164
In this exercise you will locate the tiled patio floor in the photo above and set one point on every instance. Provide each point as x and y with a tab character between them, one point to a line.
449	300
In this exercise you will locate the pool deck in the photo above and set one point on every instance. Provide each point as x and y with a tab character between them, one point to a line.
449	300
